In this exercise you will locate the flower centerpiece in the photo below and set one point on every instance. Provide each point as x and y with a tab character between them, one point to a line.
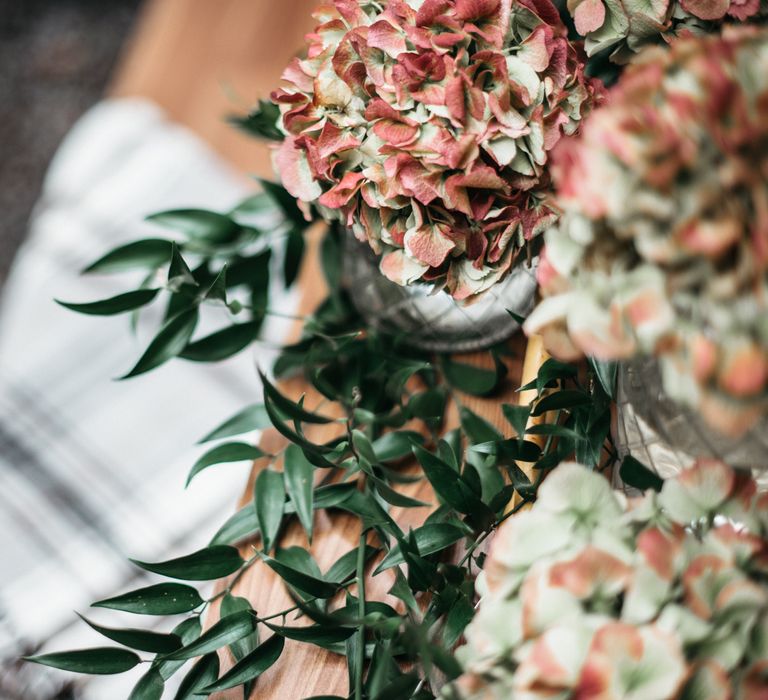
589	596
426	127
628	26
663	245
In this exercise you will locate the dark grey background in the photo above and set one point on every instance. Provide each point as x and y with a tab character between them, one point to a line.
56	58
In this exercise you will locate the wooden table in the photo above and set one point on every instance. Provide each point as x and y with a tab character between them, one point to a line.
191	57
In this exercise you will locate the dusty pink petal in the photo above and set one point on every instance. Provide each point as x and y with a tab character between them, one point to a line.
743	9
711	238
706	9
700	584
382	35
342	192
754	684
428	244
536	51
292	164
744	371
399	268
661	550
708	482
591	570
589	16
476	9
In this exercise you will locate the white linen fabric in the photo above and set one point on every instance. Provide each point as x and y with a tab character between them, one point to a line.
92	470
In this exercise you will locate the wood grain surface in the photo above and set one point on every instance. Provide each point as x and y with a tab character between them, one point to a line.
201	60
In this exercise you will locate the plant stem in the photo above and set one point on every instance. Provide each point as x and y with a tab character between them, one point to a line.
360	651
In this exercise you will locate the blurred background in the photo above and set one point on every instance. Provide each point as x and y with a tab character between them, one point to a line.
110	110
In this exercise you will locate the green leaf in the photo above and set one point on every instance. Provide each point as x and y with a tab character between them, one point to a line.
294	252
269	497
606	372
566	398
401	687
261	122
168	343
143	640
448	484
223	343
228	452
160	599
517	417
149	253
244	522
550	371
200	224
239	526
428	405
114	305
345	565
250	666
331	258
400	589
149	687
204	565
226	631
218	289
252	417
178	271
429	539
298	579
635	474
556	430
293	410
188	630
315	634
204	672
512	450
477	381
458	617
299	475
98	661
478	429
395	498
231	604
396	445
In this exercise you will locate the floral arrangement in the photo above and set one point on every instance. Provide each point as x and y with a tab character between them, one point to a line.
629	25
426	128
663	597
663	244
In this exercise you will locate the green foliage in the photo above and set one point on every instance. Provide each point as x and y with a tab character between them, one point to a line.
392	401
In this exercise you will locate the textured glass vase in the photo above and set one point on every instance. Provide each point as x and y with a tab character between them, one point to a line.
667	437
425	316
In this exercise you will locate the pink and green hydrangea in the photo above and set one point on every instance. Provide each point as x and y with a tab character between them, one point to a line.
662	247
629	25
425	126
664	597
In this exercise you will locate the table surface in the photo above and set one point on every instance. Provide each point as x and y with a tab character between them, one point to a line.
201	60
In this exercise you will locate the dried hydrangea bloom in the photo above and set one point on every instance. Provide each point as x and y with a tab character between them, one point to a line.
629	25
663	246
425	126
660	598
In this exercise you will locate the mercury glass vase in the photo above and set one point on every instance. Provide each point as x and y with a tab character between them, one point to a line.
668	437
424	316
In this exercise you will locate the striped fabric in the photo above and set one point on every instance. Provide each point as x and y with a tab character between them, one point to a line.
92	470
